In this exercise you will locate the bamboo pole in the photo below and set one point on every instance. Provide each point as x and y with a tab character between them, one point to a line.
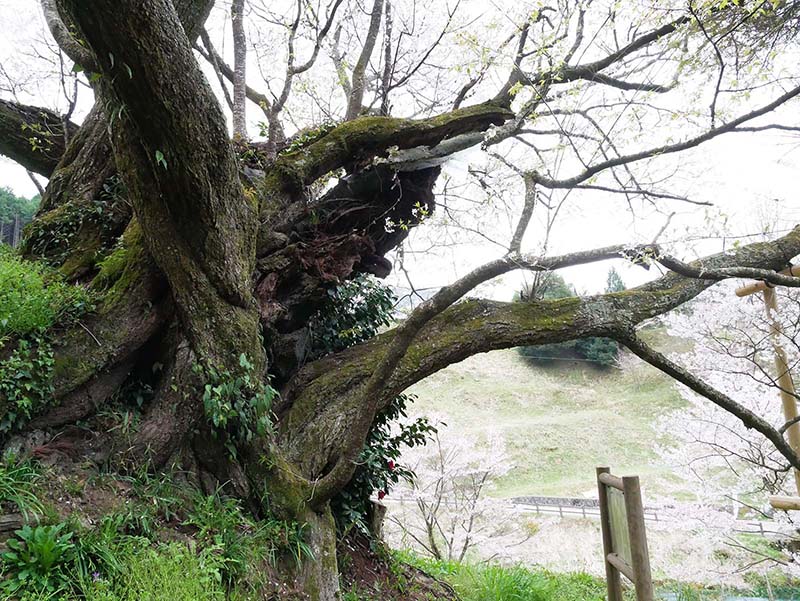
785	503
785	382
761	286
784	376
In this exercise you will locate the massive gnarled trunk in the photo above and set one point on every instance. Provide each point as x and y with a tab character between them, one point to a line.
206	259
209	255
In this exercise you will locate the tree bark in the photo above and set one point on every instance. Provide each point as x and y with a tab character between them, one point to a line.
33	136
239	70
359	80
203	264
318	404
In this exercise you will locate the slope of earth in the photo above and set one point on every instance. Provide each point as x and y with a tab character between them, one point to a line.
559	420
548	426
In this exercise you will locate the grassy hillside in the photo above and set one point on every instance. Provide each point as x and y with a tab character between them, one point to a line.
561	420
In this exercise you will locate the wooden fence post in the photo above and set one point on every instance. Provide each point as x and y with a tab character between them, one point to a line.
612	574
636	530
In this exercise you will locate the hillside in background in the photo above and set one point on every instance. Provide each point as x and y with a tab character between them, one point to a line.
548	425
560	419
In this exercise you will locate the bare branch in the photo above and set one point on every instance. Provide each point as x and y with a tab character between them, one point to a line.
748	418
668	148
720	60
239	70
629	85
36	182
211	56
514	248
358	79
591	71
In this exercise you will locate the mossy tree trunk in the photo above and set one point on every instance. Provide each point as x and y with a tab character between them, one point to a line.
200	255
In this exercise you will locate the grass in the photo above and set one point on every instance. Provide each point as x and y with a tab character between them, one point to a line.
18	480
164	540
769	585
33	297
558	421
171	571
490	582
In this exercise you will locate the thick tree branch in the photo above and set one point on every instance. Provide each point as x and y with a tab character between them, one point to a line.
358	86
620	84
590	70
699	271
406	333
332	386
171	143
64	38
33	136
359	141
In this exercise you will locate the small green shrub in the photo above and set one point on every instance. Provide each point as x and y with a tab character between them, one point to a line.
101	550
238	405
33	297
240	542
25	383
378	464
160	499
353	312
531	526
773	583
37	559
603	351
219	523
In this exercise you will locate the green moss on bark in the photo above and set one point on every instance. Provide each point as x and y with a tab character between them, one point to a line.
122	270
365	137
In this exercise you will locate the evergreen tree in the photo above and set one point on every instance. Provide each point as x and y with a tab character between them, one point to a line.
614	281
602	351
